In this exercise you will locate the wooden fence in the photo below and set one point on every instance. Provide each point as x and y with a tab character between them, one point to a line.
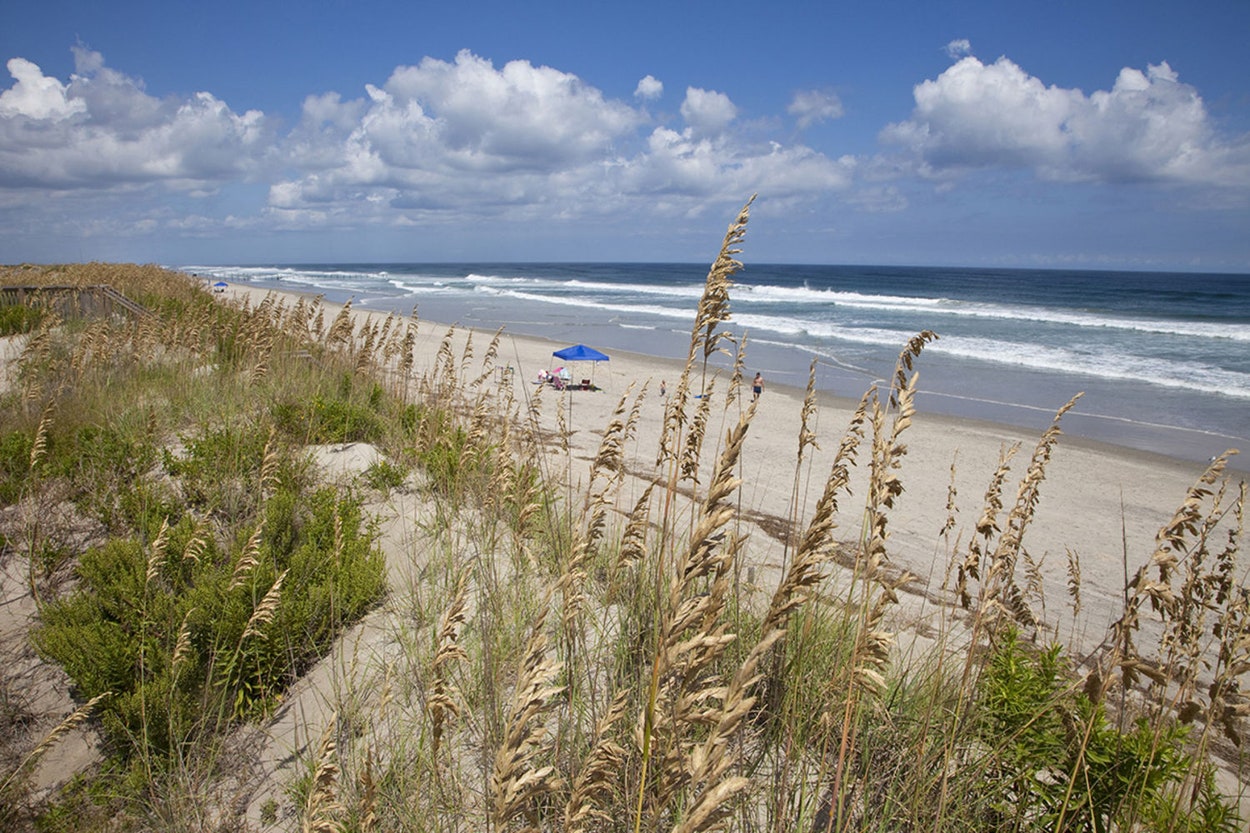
72	301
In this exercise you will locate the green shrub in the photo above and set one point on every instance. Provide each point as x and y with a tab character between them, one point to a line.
15	447
118	630
1057	763
383	476
444	461
327	420
106	466
219	470
16	319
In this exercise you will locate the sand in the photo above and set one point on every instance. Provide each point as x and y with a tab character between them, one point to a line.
1102	502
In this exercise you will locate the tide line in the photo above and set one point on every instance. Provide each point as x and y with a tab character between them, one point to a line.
1078	413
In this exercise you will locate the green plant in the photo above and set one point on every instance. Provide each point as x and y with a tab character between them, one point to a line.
384	476
15	448
1039	733
16	318
178	629
328	419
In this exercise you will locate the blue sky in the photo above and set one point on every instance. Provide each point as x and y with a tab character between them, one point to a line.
1060	134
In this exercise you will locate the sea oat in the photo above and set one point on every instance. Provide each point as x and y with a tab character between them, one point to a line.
518	781
693	448
249	557
691	636
156	555
1074	580
269	466
342	327
441	704
50	740
598	777
321	807
634	539
714	306
40	444
182	647
264	612
735	378
807	436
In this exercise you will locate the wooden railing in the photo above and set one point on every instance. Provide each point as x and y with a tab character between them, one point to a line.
72	300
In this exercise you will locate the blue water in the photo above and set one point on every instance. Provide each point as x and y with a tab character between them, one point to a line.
1163	358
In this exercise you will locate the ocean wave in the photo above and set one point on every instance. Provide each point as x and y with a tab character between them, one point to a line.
1104	364
807	319
833	299
684	292
811	306
433	287
590	304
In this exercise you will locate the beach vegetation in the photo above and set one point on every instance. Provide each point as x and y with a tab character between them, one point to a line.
19	318
589	648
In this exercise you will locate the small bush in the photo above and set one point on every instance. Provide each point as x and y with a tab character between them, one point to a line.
383	476
327	420
15	319
1056	762
220	468
15	447
120	629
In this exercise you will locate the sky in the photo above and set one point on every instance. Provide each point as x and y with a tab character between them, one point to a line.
1065	134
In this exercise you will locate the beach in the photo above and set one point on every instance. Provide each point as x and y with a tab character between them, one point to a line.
1103	503
1162	359
1098	514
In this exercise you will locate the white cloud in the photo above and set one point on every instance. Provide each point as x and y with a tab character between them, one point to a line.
102	131
1149	127
517	116
812	106
958	48
459	136
440	141
685	164
707	111
649	89
444	138
35	96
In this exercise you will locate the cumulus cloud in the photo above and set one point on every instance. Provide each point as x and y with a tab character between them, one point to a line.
517	115
707	111
101	130
958	48
649	88
683	163
442	135
36	97
468	136
1149	127
436	141
812	106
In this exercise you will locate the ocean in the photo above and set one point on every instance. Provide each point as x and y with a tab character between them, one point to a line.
1163	359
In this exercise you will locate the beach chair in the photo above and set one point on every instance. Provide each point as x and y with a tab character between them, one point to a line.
586	385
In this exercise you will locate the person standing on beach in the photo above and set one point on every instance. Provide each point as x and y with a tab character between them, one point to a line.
757	386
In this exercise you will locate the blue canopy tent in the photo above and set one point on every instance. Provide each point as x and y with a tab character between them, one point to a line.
581	353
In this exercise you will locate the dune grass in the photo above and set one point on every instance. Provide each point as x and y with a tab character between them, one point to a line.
569	661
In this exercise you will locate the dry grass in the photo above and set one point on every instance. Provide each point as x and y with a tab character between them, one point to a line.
600	660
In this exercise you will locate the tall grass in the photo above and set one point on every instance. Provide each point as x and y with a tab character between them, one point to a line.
593	659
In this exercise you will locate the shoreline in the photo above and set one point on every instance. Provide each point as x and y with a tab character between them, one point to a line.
1238	464
1125	413
1105	503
